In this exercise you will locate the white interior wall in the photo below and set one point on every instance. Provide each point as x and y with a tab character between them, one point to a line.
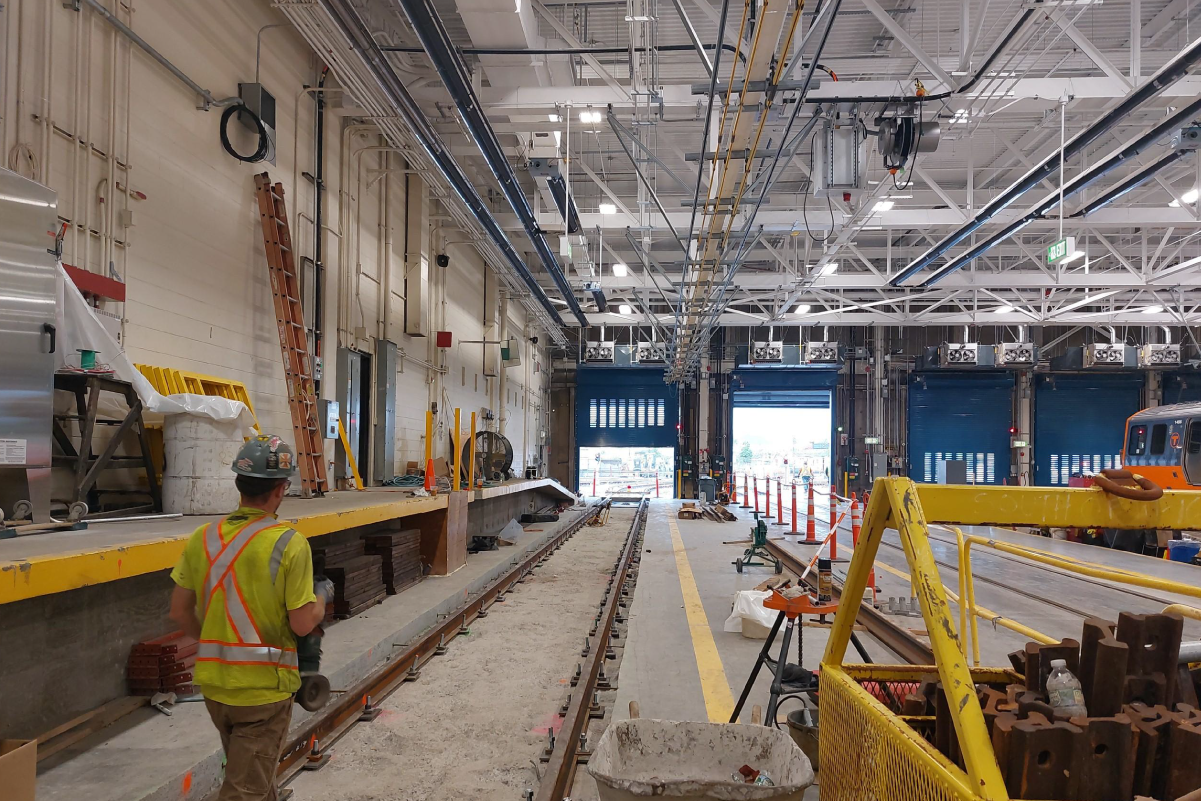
193	263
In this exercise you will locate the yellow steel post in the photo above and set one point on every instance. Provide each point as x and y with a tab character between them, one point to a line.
456	481
471	461
354	468
895	501
429	438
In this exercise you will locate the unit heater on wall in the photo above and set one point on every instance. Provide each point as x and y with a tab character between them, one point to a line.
650	353
1101	354
1159	356
958	354
821	352
599	352
767	352
1016	354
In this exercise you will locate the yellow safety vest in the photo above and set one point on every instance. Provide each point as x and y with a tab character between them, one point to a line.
246	641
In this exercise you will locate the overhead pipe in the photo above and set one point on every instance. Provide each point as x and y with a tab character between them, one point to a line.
1130	183
1003	42
1066	190
360	39
436	41
1166	76
595	50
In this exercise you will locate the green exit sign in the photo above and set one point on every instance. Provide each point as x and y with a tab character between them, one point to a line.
1057	251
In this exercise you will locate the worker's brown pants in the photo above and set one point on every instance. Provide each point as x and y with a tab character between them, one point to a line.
252	737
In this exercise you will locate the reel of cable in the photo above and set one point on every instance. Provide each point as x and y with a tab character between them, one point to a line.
264	146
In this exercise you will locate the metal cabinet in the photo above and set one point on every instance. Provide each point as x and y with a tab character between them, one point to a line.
28	302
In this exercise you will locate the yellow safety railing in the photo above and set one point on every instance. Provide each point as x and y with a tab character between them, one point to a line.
1066	563
866	749
169	381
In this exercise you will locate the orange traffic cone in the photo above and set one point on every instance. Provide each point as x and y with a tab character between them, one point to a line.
430	484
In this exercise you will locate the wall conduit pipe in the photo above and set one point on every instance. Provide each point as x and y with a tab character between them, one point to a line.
359	38
205	94
1166	76
449	64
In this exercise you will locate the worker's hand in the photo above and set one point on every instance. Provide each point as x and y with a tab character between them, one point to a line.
324	588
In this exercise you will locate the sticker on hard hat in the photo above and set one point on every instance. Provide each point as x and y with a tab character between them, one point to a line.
274	444
245	464
272	461
285	460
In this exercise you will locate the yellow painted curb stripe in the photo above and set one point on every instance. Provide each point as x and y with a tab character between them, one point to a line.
719	703
35	576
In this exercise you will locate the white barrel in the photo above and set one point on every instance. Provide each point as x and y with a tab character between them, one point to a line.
198	455
688	761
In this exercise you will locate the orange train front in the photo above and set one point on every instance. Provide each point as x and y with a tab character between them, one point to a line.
1164	444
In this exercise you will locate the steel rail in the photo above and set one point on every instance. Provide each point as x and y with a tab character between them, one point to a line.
893	637
560	771
328	725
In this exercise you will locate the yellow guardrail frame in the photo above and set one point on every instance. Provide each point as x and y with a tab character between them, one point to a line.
866	750
170	381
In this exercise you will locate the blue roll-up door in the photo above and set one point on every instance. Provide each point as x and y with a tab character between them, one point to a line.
963	417
1080	421
1181	387
620	407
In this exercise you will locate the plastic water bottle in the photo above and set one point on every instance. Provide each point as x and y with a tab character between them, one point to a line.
1063	690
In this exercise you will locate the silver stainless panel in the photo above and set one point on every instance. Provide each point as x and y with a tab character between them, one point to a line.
28	221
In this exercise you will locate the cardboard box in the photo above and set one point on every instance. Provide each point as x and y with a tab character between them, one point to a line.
18	769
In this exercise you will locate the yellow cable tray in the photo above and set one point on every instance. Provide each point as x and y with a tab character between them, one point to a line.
170	381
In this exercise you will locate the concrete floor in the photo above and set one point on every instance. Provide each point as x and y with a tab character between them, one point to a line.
677	661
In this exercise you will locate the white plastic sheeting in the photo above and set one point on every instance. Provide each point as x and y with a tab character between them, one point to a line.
79	328
749	617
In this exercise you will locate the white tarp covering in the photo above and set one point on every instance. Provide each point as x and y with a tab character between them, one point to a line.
78	328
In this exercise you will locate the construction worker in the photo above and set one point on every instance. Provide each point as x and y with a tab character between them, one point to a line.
244	590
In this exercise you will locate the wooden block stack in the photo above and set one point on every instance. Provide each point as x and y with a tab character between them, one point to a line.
400	552
358	585
164	664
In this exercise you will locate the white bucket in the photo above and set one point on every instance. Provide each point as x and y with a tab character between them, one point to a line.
693	761
198	455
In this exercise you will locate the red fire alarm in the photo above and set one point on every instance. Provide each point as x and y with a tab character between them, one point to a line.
443	339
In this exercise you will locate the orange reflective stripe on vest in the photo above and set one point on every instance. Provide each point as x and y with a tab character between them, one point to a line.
249	649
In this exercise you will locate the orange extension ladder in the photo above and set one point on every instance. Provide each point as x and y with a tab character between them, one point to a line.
293	342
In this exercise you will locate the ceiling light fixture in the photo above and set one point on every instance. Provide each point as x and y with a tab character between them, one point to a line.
883	205
620	270
1002	310
803	308
1189	197
830	268
590	116
608	208
625	308
1153	310
555	118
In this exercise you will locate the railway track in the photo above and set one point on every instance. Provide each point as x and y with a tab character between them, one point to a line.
566	749
310	746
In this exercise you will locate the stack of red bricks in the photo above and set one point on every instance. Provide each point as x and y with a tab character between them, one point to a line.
164	664
400	554
1142	736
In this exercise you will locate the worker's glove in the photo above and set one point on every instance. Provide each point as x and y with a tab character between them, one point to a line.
324	588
